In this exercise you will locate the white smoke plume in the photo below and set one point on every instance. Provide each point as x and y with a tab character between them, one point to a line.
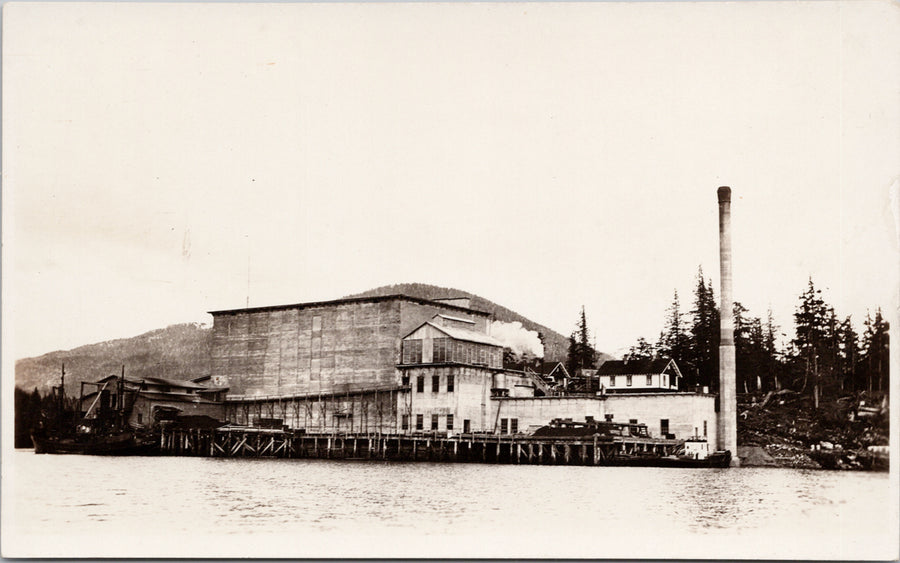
519	339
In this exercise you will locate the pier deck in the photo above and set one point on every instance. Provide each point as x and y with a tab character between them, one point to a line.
476	448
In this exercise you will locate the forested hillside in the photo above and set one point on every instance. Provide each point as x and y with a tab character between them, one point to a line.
182	351
555	344
178	352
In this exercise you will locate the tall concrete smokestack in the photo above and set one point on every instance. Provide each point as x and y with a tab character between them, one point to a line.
727	423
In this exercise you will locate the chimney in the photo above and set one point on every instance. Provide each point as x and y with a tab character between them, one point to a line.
727	420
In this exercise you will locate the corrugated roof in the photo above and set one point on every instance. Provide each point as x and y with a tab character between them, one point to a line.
458	319
464	334
633	367
157	381
376	299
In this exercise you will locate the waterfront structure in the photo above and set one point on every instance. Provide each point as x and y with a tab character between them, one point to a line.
399	365
323	366
637	376
149	400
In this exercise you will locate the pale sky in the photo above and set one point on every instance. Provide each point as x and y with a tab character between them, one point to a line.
544	156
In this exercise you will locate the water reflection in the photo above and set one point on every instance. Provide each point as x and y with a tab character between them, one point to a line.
297	498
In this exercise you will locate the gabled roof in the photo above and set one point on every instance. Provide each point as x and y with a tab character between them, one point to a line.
636	367
464	334
549	368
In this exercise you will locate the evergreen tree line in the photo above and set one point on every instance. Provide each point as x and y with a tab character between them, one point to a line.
826	358
28	407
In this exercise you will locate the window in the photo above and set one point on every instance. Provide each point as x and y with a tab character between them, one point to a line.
441	350
608	417
435	383
632	421
665	381
664	427
450	383
513	425
649	381
467	425
504	425
420	384
434	422
449	422
420	422
628	380
404	379
404	422
612	380
704	429
412	352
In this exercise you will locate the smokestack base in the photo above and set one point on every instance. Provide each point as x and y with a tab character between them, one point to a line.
724	194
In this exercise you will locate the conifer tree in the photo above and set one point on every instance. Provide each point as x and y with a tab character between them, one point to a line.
875	353
704	336
674	341
581	354
811	320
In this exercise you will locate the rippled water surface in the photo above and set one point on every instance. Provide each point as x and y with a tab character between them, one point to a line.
165	506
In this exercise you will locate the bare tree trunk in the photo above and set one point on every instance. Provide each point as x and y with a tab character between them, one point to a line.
816	387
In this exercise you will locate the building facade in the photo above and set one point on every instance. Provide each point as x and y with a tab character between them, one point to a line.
403	365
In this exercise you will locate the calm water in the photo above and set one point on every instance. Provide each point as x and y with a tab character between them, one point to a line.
67	505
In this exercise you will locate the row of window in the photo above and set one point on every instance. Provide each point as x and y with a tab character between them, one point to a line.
507	425
628	380
435	422
435	383
449	350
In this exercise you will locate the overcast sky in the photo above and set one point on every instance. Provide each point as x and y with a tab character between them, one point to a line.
544	156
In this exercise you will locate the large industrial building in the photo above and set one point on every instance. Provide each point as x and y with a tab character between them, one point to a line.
402	365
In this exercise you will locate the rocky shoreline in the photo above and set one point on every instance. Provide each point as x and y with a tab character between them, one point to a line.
784	429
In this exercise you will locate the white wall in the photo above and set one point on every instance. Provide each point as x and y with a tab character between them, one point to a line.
685	412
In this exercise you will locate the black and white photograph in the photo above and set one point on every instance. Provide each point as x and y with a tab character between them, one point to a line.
595	280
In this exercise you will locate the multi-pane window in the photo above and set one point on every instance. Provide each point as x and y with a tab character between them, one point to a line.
504	425
420	422
649	380
435	383
664	427
628	380
450	383
420	384
412	352
441	350
434	422
513	425
612	380
449	422
404	422
704	429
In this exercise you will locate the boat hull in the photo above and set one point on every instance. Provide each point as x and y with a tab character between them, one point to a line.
718	459
119	444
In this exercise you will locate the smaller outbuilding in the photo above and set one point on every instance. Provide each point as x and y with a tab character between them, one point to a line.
631	376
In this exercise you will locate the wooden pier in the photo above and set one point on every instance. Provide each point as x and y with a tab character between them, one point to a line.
473	448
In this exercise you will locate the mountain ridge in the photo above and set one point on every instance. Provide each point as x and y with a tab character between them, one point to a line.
182	351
